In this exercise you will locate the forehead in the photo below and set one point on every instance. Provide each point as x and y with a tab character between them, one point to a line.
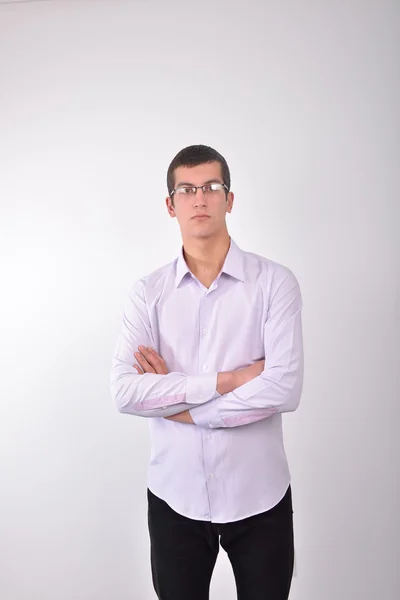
199	174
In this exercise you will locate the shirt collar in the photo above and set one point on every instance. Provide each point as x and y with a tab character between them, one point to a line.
232	266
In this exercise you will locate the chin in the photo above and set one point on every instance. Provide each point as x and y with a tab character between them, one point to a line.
204	233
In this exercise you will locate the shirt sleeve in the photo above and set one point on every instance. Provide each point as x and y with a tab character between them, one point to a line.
151	395
278	388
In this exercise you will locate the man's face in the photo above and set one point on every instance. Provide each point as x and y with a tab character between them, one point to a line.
214	204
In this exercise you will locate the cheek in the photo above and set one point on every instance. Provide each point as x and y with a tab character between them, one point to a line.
183	213
222	209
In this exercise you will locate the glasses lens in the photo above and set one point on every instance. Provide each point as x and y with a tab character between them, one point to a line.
217	187
211	188
208	189
185	191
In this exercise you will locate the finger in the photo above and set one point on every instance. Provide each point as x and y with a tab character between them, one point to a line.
159	363
156	355
138	369
152	357
146	366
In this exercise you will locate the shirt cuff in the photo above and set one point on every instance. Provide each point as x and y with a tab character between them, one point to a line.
201	388
207	415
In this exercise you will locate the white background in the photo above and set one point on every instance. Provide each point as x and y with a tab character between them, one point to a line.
96	97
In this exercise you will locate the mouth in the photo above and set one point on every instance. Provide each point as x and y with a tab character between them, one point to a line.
200	217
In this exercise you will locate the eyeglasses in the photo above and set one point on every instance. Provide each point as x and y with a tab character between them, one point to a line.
209	189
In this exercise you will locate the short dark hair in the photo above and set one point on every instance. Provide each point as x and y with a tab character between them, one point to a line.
192	156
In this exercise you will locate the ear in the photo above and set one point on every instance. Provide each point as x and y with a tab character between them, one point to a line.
170	208
229	201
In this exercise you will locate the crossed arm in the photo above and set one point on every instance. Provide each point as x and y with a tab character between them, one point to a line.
227	399
151	362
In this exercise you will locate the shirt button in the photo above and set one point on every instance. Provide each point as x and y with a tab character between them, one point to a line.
205	330
205	368
211	425
211	476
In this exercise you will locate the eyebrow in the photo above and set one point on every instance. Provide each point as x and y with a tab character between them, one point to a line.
186	183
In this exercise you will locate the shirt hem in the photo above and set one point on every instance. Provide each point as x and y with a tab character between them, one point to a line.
236	519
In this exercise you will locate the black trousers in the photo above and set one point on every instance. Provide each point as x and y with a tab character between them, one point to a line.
183	552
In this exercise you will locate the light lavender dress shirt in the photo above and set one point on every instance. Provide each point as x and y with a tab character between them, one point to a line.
231	464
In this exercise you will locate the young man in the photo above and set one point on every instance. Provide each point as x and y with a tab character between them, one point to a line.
211	351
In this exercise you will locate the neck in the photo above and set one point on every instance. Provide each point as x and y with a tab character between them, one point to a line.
205	257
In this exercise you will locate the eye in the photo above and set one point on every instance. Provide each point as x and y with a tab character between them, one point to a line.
185	190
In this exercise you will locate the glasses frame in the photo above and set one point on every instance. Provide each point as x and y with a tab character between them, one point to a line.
198	187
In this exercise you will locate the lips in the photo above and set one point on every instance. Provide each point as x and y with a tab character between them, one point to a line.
200	217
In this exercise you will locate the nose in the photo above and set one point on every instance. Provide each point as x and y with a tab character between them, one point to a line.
199	198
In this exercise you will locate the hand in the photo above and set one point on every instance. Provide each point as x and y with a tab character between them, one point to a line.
183	417
150	362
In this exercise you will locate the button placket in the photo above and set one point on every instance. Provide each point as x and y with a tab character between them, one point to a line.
205	366
204	337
